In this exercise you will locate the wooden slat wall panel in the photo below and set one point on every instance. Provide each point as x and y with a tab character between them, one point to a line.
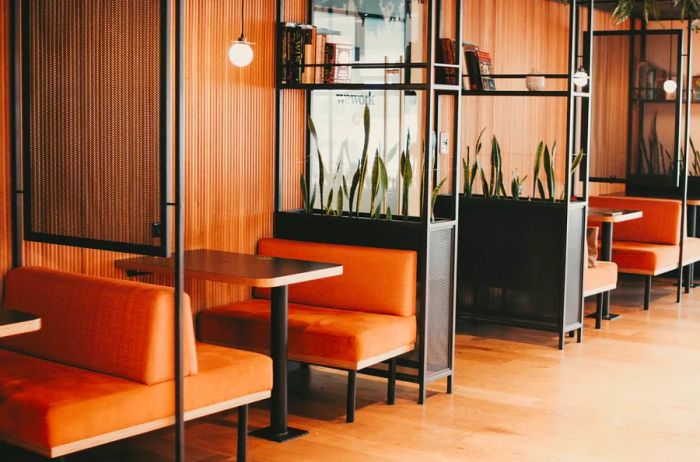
610	112
5	242
230	146
519	123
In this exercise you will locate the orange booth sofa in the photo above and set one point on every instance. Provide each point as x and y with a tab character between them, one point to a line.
349	322
102	366
649	246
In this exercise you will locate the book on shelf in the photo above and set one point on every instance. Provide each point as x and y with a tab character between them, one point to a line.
479	68
304	52
485	69
308	74
467	72
337	52
447	55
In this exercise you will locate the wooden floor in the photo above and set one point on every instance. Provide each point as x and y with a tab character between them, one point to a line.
631	391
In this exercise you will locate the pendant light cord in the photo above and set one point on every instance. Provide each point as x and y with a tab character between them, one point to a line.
670	55
242	20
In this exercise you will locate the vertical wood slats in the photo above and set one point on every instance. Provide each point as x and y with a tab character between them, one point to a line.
5	239
230	135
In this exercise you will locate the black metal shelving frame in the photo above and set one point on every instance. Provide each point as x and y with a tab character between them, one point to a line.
500	273
681	185
434	241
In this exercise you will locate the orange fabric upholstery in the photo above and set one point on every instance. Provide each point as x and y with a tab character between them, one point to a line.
374	280
323	336
691	250
115	327
44	404
645	258
660	224
600	278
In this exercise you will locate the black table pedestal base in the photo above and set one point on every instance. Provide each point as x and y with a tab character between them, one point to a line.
269	434
606	317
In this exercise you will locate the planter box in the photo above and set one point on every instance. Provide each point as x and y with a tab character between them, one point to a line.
668	190
520	263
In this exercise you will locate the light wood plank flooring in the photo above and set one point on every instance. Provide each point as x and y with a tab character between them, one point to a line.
631	391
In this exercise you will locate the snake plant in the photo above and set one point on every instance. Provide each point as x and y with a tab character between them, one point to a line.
471	170
516	185
406	174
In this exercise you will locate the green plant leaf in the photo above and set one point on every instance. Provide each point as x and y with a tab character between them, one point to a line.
389	216
329	202
406	175
484	183
321	168
549	159
339	201
345	186
375	183
466	171
577	162
312	201
304	194
540	188
363	160
538	165
353	188
434	196
383	176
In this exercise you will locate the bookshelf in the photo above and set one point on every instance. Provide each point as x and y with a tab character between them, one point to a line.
522	265
397	68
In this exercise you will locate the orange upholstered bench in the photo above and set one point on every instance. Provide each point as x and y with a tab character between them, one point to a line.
350	322
649	246
101	367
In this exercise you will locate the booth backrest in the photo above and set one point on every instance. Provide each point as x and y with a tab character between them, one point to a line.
115	327
661	223
374	280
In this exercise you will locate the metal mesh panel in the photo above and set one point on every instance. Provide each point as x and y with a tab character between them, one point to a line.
93	164
440	312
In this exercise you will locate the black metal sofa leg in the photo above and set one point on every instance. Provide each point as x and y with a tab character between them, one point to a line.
391	383
352	392
647	292
242	446
599	310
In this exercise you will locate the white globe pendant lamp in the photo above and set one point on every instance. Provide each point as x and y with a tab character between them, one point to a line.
241	51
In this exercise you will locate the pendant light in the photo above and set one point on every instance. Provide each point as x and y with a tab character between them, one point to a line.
670	86
241	52
580	78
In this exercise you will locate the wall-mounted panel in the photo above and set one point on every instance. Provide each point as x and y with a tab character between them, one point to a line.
95	124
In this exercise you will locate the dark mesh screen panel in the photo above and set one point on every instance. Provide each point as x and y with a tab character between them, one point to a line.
440	311
93	166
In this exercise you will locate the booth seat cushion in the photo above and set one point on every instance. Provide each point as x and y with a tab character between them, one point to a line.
44	404
374	280
111	326
660	223
323	336
691	250
599	278
645	258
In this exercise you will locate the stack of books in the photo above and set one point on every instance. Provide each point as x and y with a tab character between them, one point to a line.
305	51
447	54
479	68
